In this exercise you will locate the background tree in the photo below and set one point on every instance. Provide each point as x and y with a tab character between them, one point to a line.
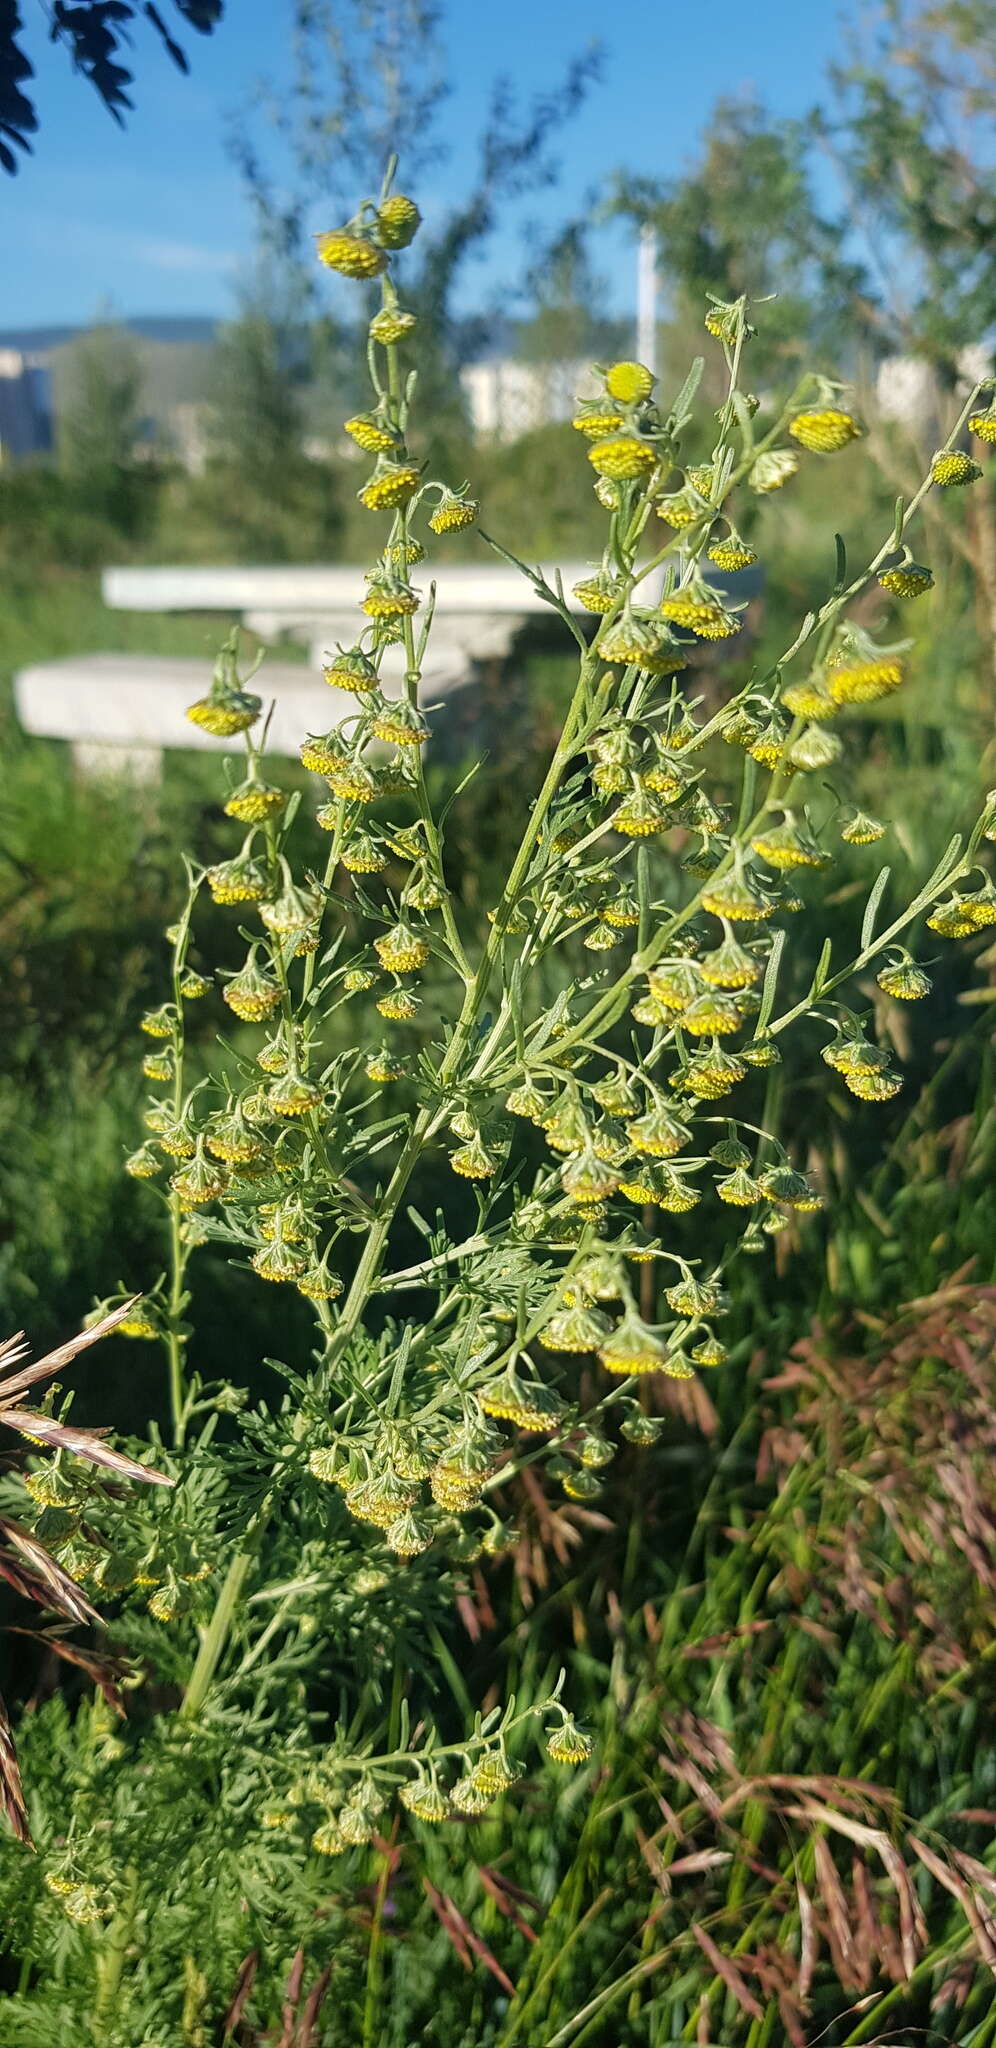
565	295
745	218
99	424
255	387
909	131
369	80
92	31
269	491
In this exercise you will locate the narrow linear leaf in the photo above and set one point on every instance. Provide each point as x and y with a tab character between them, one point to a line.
398	1375
871	907
770	984
686	396
822	974
948	861
747	793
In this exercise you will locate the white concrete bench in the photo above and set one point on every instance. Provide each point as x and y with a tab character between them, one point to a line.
479	609
119	711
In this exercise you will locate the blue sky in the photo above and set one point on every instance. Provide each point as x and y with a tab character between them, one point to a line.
154	219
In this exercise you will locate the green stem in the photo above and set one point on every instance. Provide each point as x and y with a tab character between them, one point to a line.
372	1995
174	1337
110	1963
216	1634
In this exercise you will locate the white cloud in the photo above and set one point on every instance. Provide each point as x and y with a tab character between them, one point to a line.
182	256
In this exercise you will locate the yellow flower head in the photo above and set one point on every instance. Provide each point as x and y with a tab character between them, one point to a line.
350	254
983	424
392	483
225	712
641	814
352	670
370	433
861	830
622	456
907	579
595	418
632	1347
473	1160
597	593
952	467
823	432
252	801
905	981
453	512
399	1005
569	1744
400	724
362	856
385	1066
401	950
398	221
389	598
292	1095
810	698
680	509
238	881
252	994
392	325
575	1329
865	682
629	382
704	616
731	553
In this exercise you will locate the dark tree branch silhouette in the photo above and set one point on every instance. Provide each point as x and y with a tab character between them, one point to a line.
93	32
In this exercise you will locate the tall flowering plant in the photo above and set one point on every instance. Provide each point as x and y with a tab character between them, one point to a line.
654	891
667	910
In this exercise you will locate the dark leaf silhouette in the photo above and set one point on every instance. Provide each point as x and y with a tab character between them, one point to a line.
93	32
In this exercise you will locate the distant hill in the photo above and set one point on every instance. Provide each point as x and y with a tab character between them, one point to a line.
38	341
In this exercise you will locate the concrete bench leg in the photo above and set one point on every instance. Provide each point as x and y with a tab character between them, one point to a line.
107	761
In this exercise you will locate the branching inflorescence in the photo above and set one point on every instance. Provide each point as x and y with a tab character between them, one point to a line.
659	911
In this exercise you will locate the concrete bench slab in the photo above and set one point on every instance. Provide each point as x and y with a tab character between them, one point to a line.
119	711
293	593
479	608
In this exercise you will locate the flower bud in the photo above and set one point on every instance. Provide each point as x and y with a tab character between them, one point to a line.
398	221
569	1744
952	467
772	469
824	432
392	325
630	383
453	512
352	255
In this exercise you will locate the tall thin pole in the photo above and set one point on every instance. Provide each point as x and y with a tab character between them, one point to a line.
646	298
